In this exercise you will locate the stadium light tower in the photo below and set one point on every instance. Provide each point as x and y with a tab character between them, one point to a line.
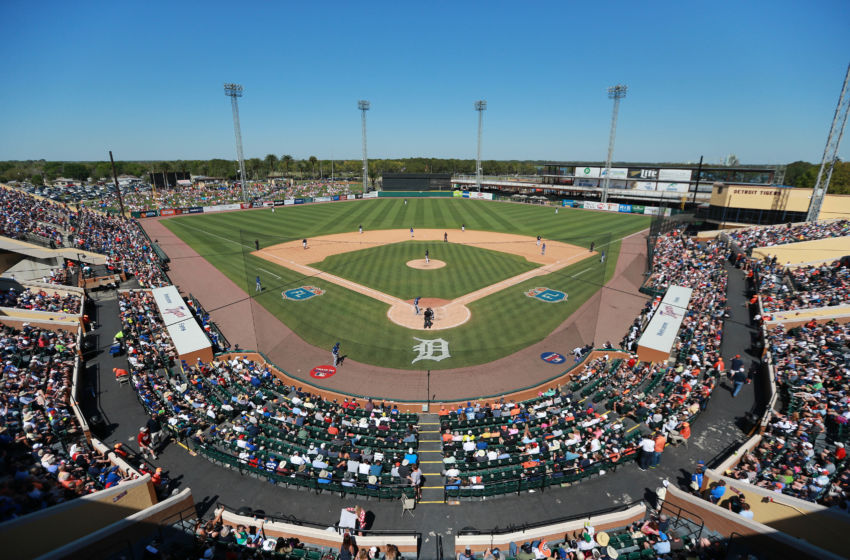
480	106
234	91
830	153
616	93
364	106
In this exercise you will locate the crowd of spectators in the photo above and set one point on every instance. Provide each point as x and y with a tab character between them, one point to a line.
22	214
787	233
143	335
182	197
806	287
803	452
126	247
40	300
44	458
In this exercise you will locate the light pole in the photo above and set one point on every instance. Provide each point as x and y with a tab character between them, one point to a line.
364	106
616	93
480	106
234	91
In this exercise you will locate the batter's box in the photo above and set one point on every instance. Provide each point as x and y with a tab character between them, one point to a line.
547	294
302	293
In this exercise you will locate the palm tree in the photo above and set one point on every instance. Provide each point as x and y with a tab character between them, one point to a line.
287	161
271	162
313	161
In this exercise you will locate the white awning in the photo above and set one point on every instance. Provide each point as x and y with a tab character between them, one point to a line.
660	334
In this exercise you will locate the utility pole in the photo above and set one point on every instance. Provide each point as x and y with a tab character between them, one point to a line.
364	106
480	106
616	93
234	92
830	153
117	188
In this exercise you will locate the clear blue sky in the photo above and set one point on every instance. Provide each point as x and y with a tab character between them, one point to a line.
757	79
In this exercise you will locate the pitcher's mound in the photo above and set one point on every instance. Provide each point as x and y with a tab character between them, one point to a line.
422	265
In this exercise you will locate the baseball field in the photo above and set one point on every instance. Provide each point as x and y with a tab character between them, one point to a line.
493	287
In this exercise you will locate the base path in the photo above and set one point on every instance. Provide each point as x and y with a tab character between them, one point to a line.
452	314
605	316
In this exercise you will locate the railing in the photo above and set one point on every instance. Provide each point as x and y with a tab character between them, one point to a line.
538	524
678	516
293	520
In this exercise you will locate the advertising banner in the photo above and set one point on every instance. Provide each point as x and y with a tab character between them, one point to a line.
151	213
626	208
673	187
136	214
166	212
299	201
335	197
587	183
244	205
637	209
643	174
592	205
289	202
222	207
587	172
617	184
322	199
194	210
373	194
674	175
644	186
170	305
480	195
651	210
268	203
616	173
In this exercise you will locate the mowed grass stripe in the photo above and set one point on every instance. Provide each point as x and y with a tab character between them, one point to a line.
384	268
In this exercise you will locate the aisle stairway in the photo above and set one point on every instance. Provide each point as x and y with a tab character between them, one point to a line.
431	459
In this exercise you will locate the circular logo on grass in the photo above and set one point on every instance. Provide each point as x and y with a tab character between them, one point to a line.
553	357
322	372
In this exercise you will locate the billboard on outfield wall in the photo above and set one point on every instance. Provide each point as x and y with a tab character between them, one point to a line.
673	187
222	207
373	194
644	186
588	172
607	207
674	175
616	173
643	174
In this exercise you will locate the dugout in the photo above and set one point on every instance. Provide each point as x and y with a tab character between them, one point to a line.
416	181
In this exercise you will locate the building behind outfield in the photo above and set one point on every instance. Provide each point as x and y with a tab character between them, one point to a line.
417	182
745	205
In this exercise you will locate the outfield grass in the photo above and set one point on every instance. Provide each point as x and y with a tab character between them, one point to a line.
467	268
501	323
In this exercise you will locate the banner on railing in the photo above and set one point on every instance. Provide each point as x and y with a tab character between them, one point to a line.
170	212
373	194
322	199
300	201
194	210
626	208
478	195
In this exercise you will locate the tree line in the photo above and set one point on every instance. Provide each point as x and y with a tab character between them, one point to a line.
39	171
797	174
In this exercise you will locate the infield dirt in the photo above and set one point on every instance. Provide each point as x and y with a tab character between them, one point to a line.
295	256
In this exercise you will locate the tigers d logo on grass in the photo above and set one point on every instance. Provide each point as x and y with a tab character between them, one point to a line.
302	293
547	295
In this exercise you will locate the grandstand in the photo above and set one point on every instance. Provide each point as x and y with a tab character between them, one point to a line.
239	456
